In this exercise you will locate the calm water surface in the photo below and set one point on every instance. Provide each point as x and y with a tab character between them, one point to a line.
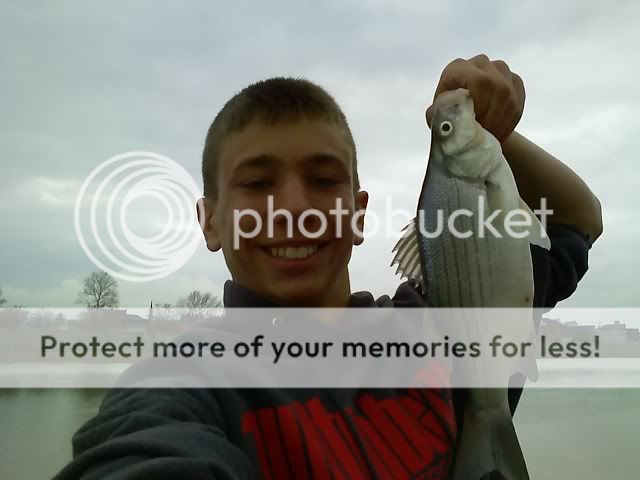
566	434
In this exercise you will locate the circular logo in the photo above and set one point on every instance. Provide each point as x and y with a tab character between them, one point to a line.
108	226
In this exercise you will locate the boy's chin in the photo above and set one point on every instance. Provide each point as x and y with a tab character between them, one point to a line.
298	295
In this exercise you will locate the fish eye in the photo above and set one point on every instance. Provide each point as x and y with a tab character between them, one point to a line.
446	128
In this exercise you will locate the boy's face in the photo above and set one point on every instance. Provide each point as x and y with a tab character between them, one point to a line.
301	166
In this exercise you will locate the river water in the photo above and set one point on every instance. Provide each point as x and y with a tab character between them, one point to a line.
566	434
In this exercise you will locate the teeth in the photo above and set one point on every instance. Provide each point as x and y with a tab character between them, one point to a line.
293	253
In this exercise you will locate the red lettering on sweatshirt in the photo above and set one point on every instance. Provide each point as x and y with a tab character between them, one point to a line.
344	463
407	436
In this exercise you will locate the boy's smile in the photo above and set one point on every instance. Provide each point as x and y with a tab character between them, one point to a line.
289	175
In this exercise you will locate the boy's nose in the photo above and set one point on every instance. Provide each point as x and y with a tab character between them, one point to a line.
293	196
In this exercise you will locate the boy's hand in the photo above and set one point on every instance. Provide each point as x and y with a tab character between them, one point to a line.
498	94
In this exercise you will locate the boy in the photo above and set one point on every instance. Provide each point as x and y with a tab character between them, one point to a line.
288	139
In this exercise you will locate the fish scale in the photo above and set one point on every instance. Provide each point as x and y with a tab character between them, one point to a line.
467	170
458	271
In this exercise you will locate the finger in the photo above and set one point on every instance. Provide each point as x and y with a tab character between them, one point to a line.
518	86
502	68
502	126
501	105
515	118
516	108
481	61
480	87
498	119
453	76
505	123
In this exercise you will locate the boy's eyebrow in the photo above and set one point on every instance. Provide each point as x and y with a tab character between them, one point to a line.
262	160
329	159
268	160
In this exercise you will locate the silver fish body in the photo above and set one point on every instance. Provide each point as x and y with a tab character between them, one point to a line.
476	271
471	266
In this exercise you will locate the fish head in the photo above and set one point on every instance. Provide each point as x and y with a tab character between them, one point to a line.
454	127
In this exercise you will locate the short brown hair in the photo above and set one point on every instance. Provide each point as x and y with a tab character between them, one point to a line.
272	101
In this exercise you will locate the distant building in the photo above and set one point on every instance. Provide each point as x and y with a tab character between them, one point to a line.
554	330
615	332
583	333
616	340
633	335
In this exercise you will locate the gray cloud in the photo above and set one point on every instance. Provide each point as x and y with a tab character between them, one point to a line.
84	82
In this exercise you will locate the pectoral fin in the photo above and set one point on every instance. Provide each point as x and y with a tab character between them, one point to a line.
407	255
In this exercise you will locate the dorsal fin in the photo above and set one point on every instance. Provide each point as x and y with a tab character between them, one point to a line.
407	255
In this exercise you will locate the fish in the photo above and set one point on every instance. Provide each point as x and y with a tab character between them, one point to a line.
482	268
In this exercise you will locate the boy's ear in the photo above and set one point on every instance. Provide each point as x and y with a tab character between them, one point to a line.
362	199
205	209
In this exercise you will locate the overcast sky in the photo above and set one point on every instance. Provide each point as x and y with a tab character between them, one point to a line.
82	82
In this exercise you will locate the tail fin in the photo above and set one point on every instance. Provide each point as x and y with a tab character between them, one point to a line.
488	448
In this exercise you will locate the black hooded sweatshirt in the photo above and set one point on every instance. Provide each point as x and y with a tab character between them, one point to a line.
187	433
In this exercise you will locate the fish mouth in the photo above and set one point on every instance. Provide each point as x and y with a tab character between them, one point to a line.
453	98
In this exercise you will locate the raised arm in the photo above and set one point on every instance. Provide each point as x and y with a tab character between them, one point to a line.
540	175
499	96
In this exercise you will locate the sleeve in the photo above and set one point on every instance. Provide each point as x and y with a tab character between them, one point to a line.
556	275
558	271
155	433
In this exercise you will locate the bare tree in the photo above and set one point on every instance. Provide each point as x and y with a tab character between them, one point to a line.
196	303
2	299
99	290
160	311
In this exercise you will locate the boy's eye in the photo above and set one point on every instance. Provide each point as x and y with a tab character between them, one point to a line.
324	181
260	184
